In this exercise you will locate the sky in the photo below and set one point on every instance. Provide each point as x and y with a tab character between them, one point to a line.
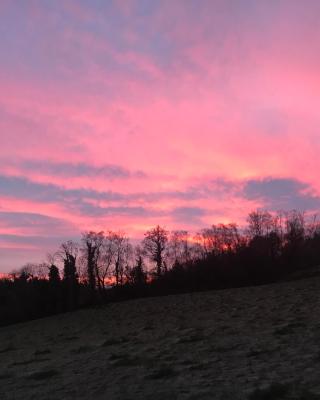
120	115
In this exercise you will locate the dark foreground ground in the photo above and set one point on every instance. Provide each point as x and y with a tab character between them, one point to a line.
249	343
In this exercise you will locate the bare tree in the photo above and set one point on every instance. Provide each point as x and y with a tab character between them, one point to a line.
226	237
154	245
136	275
42	270
31	271
108	254
179	247
68	252
295	227
92	244
206	239
216	240
54	275
198	250
260	223
313	227
51	258
26	272
123	252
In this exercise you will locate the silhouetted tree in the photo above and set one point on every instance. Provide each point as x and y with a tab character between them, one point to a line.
120	242
294	237
26	272
54	274
179	248
107	259
55	293
69	252
154	245
259	223
137	276
271	247
92	244
226	238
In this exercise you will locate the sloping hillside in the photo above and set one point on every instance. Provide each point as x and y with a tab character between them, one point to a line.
249	343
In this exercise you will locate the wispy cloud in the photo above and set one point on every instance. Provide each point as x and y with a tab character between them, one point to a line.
282	193
79	169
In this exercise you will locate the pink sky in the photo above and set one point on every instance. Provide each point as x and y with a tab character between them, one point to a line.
126	114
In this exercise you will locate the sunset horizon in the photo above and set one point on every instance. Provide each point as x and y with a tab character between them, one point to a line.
159	199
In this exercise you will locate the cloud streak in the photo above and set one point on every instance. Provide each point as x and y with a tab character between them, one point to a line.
80	169
282	193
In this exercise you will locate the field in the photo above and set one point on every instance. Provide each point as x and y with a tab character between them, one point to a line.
249	343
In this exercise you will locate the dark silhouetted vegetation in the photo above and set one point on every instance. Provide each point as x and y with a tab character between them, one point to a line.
107	267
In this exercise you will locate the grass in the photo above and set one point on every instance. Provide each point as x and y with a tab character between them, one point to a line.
258	352
113	342
122	360
289	328
190	339
10	347
162	373
284	330
5	375
70	338
279	391
82	349
42	352
308	395
42	375
276	391
31	361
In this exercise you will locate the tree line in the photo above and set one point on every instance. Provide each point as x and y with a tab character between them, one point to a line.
106	266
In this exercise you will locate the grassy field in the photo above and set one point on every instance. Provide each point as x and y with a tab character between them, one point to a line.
248	343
